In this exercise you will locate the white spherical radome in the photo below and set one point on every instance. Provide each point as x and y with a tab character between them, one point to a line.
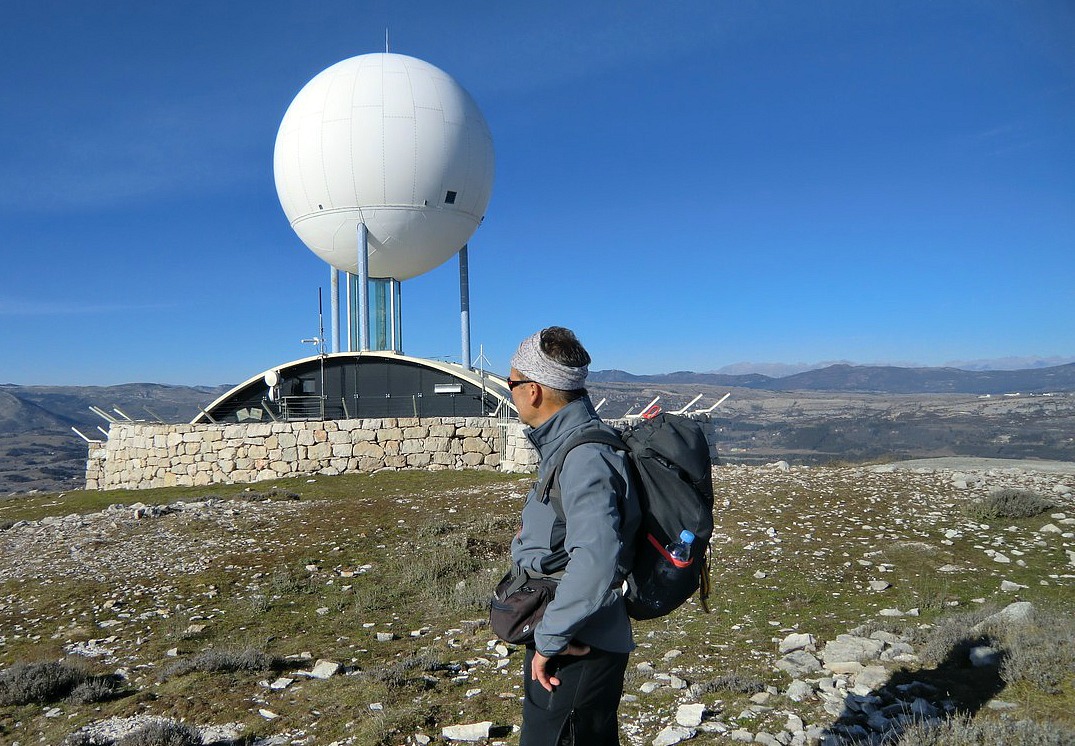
393	142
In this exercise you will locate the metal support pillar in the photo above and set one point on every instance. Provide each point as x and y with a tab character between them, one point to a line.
334	305
464	304
352	337
396	305
362	300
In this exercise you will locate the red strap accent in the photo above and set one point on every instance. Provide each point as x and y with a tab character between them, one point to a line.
666	555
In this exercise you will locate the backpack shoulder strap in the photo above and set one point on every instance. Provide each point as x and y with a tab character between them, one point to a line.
549	487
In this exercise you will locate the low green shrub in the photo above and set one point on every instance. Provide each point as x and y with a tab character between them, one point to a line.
398	673
94	689
951	637
730	682
42	682
1041	652
1010	503
247	660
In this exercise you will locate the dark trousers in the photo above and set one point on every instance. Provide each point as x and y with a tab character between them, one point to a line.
582	710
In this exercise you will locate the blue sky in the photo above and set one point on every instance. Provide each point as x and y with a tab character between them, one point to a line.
688	185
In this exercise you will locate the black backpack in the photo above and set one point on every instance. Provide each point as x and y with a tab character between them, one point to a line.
670	458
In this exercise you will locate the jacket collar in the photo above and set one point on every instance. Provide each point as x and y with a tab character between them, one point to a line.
554	432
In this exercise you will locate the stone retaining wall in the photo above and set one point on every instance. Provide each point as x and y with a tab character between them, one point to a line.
139	455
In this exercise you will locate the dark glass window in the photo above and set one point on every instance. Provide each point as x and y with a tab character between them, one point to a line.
449	198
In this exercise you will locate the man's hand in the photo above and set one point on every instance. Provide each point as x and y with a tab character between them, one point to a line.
539	666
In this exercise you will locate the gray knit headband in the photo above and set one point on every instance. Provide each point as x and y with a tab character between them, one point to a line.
537	366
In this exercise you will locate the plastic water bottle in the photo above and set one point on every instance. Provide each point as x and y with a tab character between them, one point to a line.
681	550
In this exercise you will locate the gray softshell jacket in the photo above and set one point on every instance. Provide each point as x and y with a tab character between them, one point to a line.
596	486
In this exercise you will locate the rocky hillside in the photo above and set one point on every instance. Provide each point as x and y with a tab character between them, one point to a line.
847	603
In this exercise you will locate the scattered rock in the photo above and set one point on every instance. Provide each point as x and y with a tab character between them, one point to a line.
672	735
797	641
324	669
690	715
471	732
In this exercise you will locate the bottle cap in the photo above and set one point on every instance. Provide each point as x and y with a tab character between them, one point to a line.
686	536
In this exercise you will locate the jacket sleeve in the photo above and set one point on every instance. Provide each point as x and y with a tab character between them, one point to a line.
592	482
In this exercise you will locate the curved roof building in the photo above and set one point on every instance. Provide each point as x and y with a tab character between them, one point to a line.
348	385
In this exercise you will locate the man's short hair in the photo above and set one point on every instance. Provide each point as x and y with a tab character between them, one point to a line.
561	344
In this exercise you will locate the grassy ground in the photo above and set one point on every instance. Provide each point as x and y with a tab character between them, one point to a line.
317	568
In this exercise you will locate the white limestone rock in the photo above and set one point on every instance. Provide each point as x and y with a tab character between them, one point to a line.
799	691
469	732
690	715
797	641
672	735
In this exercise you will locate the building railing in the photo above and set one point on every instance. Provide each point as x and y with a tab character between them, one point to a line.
302	408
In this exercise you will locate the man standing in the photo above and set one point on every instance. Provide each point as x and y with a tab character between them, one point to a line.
573	673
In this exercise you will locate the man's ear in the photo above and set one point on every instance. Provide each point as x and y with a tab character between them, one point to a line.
536	394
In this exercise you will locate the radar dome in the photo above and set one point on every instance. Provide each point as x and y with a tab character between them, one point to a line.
393	142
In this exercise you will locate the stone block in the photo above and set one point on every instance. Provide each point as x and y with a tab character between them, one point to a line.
319	451
472	459
369	463
476	445
418	459
369	450
412	446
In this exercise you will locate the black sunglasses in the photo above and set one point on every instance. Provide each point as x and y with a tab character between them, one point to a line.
512	384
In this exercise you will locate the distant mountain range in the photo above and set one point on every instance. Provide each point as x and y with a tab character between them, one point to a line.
780	370
875	379
36	408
